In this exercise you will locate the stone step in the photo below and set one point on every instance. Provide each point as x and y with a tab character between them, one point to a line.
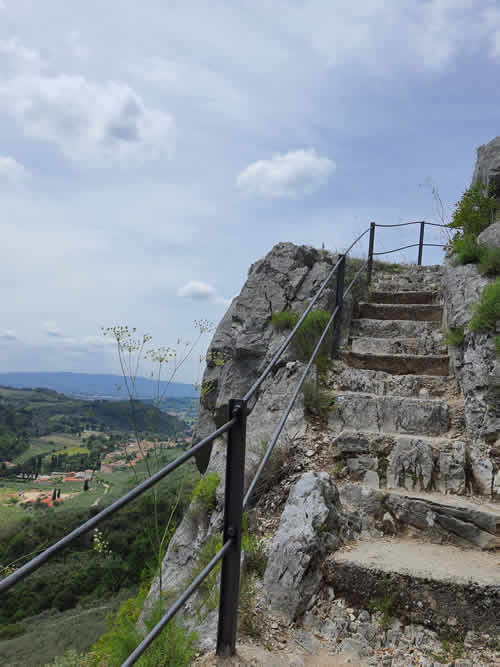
440	586
442	518
385	311
395	328
395	460
412	346
382	383
388	414
398	364
404	297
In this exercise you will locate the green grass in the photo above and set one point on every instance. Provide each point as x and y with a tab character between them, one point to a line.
487	311
61	439
489	261
52	633
454	336
286	319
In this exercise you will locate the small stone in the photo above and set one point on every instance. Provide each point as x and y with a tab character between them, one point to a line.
275	626
309	453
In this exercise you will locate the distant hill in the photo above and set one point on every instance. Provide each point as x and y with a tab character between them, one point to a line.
89	385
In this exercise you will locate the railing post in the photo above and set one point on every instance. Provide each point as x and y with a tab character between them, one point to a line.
369	266
421	243
233	509
339	298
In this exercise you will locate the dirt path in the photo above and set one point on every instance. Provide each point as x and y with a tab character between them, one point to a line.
106	485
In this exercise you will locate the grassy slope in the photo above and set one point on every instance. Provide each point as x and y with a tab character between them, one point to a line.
52	633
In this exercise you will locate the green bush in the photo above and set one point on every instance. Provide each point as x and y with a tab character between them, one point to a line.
454	336
174	646
473	213
287	319
255	551
487	311
467	250
203	496
497	345
307	335
489	261
317	401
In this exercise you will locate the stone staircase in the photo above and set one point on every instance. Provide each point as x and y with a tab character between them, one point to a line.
400	450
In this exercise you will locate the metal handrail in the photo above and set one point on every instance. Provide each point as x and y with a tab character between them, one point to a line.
235	499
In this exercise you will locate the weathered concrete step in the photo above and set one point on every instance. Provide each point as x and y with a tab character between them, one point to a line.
442	518
395	328
393	460
412	346
399	364
388	414
385	311
382	383
406	296
441	586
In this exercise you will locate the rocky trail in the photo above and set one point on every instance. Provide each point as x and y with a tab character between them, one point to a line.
421	561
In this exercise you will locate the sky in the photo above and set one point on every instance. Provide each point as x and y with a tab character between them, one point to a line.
150	152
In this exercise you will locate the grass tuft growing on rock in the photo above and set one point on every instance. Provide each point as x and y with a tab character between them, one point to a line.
454	336
286	319
203	496
487	311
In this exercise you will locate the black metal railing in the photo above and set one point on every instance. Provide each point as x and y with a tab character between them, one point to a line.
235	498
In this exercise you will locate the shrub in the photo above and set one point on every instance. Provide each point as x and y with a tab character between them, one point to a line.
473	212
454	336
487	311
307	337
248	620
287	319
467	250
255	551
307	334
174	646
489	261
203	496
317	401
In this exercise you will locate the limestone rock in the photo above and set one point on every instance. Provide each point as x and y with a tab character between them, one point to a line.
490	237
474	365
411	465
487	167
312	524
242	346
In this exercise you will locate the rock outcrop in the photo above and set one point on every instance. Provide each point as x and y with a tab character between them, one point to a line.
476	368
243	344
312	525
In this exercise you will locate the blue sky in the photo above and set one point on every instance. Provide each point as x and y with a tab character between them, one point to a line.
149	153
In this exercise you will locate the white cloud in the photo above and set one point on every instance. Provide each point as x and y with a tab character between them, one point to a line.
293	174
195	289
8	334
11	171
51	329
200	291
88	121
